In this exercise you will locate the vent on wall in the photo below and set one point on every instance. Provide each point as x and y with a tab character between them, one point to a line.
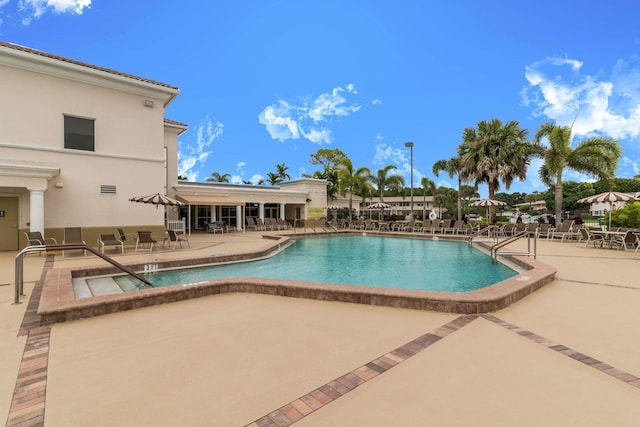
107	189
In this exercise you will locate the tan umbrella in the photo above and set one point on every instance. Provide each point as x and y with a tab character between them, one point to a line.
486	203
609	196
380	205
156	199
333	208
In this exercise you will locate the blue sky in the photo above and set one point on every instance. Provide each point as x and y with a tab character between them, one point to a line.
268	82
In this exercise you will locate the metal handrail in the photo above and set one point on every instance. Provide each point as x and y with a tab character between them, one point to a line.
19	266
520	235
488	229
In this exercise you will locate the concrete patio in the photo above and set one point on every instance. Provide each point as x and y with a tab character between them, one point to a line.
568	354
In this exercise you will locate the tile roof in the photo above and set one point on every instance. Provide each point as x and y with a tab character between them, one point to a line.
82	64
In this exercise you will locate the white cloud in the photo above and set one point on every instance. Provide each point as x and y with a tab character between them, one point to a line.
191	158
34	9
310	117
376	102
560	91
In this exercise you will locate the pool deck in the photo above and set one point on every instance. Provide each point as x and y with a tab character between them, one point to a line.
568	354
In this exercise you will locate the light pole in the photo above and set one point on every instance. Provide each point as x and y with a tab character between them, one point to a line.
410	145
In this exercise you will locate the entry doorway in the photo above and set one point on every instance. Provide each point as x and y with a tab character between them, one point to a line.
9	224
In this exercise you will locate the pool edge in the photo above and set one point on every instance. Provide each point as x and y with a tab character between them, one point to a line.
58	303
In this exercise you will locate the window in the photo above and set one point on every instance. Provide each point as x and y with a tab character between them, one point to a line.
79	133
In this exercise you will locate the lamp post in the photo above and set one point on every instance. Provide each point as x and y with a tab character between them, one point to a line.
410	145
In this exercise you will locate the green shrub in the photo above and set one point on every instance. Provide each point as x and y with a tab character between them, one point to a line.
628	216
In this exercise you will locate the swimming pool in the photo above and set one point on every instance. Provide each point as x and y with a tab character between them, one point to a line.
362	260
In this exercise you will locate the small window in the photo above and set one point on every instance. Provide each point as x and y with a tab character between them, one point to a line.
79	133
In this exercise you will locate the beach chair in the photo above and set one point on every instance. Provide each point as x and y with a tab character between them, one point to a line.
435	225
564	229
625	241
145	240
110	240
544	230
173	239
444	225
73	235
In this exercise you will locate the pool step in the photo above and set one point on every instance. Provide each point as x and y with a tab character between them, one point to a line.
96	286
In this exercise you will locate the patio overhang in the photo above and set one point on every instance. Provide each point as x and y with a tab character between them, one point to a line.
212	200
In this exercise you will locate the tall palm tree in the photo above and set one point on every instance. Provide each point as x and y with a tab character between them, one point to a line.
383	181
348	179
597	157
430	186
217	177
493	152
281	171
452	166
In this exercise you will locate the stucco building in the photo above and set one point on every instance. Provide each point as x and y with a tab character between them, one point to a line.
78	140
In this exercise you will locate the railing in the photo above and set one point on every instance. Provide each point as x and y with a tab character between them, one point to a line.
518	236
487	229
177	225
46	248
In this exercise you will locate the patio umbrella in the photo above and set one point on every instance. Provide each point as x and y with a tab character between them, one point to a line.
382	206
487	203
157	199
609	196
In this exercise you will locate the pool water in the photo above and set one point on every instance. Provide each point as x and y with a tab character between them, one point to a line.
363	260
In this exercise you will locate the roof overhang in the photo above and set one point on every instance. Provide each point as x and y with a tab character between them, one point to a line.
212	200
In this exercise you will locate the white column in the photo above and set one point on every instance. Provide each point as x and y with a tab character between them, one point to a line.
282	205
36	210
261	210
239	218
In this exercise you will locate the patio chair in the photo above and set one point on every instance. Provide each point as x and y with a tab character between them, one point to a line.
445	224
124	237
73	235
625	241
562	230
435	225
216	227
145	240
110	240
174	239
544	230
34	238
508	229
592	238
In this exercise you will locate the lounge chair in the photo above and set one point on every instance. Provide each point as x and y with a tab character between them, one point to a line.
145	240
435	225
444	225
110	240
563	230
456	227
215	227
174	239
124	237
544	230
73	235
34	238
508	229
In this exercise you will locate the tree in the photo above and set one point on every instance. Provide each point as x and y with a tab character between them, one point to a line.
330	159
349	180
597	157
495	152
446	198
281	171
273	178
453	166
217	177
427	186
383	181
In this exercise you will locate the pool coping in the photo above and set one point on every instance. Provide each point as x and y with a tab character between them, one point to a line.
58	302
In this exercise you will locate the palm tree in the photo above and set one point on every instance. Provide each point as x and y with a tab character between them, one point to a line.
383	181
217	177
348	179
452	166
281	171
597	157
427	185
493	152
273	178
